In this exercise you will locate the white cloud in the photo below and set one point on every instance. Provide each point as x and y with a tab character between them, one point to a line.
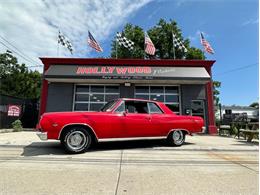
250	21
195	37
32	26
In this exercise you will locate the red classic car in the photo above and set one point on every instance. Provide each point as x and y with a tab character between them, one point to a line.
121	119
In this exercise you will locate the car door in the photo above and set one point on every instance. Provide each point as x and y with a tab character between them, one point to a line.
159	120
136	119
110	125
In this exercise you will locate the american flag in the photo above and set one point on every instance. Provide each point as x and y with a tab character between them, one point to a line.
206	44
93	43
149	46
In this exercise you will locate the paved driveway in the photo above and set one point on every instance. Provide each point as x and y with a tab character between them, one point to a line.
204	165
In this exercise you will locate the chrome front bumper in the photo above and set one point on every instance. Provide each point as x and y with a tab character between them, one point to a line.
42	135
203	130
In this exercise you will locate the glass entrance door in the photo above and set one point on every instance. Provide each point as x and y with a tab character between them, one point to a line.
198	108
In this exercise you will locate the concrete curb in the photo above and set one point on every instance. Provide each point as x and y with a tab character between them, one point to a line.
12	130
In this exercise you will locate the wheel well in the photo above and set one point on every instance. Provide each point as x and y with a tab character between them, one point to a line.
185	132
68	127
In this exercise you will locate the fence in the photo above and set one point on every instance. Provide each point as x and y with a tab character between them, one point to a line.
28	114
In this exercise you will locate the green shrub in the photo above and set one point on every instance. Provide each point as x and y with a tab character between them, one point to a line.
17	125
234	130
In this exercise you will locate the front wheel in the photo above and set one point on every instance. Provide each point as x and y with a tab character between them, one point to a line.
76	140
176	138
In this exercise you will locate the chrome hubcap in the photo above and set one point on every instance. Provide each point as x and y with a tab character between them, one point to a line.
177	137
77	140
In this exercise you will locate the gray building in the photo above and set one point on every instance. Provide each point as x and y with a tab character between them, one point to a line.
72	84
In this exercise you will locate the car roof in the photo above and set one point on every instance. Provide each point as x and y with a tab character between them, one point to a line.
138	99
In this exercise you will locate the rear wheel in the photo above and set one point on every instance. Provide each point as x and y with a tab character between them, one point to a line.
76	140
176	138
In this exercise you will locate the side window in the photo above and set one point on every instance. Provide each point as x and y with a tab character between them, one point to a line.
120	108
136	107
154	109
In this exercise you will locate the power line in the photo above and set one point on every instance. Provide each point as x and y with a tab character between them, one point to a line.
20	55
236	69
18	50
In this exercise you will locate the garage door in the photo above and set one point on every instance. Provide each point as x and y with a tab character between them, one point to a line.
93	97
168	94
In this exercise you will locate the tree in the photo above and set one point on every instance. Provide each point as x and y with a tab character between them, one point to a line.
216	93
161	35
254	105
16	79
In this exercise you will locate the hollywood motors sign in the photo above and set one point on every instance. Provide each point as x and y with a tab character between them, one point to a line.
113	70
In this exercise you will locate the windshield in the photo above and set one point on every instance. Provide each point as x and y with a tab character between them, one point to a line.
108	106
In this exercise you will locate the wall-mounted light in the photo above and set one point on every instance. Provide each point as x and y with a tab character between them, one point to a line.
127	84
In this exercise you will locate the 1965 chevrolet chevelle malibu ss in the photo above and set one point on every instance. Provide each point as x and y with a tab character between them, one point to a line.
121	119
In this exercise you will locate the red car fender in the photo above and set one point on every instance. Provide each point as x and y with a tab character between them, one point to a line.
80	124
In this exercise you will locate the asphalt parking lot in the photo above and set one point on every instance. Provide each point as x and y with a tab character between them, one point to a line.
204	165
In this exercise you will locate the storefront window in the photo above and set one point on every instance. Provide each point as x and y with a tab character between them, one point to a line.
112	89
96	106
142	89
171	98
174	107
156	89
81	106
171	89
142	96
96	97
93	97
167	94
158	97
82	97
83	88
109	97
99	89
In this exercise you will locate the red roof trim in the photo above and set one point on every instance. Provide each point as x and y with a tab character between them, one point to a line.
133	62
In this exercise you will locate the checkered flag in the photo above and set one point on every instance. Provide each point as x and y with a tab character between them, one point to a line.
64	41
178	43
69	46
124	41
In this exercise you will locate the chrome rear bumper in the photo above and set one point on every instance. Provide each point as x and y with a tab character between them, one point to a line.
203	130
42	135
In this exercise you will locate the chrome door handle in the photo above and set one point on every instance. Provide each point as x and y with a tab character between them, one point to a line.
148	118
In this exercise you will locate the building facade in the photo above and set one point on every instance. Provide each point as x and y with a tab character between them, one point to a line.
74	84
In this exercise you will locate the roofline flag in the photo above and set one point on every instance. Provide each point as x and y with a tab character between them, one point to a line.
206	45
122	40
64	41
177	43
93	43
149	46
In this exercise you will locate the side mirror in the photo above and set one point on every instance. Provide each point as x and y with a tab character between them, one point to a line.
125	112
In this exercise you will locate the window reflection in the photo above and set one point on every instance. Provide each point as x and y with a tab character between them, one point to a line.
167	94
93	97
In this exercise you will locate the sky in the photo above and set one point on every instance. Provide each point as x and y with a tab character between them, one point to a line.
30	29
